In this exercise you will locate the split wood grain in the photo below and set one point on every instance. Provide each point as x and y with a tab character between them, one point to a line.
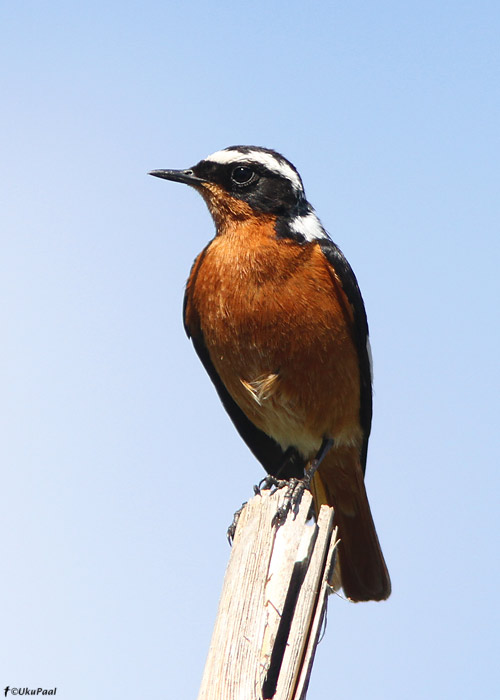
272	603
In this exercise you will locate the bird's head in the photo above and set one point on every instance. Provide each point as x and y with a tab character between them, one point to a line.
242	182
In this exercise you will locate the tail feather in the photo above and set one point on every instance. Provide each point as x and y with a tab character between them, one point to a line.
339	483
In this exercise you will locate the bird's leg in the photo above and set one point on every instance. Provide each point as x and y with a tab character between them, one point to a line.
325	448
296	487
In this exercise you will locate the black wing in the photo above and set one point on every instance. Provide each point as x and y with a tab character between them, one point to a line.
350	286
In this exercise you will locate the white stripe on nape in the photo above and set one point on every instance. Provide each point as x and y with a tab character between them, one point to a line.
233	155
308	226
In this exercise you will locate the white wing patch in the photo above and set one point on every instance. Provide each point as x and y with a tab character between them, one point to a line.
265	159
370	357
308	226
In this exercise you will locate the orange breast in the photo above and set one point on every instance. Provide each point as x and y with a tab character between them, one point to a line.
278	328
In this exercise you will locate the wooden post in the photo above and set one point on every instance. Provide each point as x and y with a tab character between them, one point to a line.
272	604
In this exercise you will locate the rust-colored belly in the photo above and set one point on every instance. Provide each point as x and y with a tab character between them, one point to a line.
278	328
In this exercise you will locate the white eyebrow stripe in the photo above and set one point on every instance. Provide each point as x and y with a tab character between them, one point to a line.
265	159
308	226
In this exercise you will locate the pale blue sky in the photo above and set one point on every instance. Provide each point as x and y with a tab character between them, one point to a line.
120	469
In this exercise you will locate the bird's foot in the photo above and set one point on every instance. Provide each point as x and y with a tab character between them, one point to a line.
296	487
294	490
232	528
270	482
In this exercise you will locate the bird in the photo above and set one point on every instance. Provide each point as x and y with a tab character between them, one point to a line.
276	316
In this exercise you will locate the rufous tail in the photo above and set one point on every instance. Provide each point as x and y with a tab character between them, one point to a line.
339	483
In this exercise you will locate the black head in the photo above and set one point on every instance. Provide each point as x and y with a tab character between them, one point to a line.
247	181
262	178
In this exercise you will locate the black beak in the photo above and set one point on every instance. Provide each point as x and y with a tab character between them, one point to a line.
186	176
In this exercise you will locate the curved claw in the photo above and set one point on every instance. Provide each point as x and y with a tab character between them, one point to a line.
295	489
231	530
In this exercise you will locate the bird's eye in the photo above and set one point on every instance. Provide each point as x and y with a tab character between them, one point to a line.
242	175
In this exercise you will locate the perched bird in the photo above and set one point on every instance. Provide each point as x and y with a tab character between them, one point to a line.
275	314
